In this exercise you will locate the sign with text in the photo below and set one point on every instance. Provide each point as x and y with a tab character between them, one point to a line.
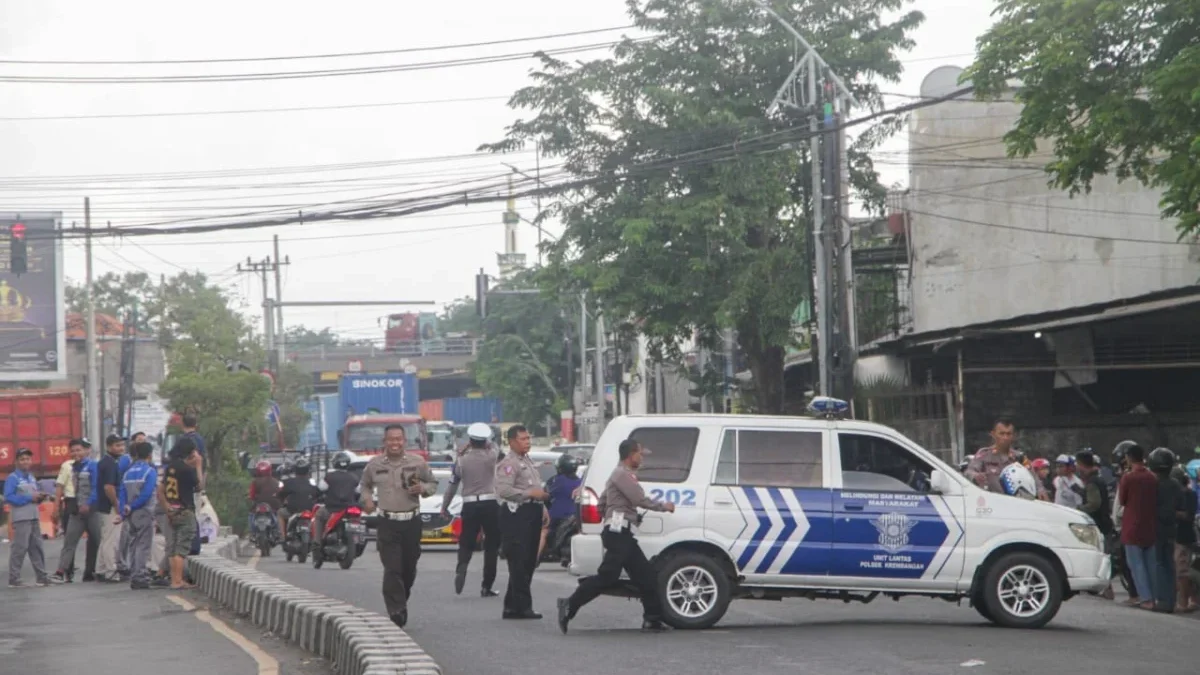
32	313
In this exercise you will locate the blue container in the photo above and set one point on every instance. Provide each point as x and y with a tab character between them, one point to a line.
471	410
390	394
331	420
312	430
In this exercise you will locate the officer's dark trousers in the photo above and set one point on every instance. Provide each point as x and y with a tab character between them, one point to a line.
1162	579
621	551
520	534
478	516
399	543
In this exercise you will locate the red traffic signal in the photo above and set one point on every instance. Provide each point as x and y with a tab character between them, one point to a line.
18	230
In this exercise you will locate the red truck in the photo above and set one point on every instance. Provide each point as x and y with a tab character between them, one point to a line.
363	434
43	420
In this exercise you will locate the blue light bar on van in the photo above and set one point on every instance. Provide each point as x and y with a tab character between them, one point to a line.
825	406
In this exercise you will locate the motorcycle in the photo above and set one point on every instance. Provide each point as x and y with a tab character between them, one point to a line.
344	538
558	541
265	529
299	536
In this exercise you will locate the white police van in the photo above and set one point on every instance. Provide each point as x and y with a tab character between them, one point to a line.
775	507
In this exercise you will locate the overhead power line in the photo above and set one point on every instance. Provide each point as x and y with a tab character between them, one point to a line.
337	55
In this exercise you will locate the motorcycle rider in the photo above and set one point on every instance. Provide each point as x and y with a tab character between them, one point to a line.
264	489
341	492
562	488
297	494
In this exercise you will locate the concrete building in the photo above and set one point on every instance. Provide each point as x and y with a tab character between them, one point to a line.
149	358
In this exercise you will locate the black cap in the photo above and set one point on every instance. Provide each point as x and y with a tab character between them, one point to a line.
113	438
24	452
80	441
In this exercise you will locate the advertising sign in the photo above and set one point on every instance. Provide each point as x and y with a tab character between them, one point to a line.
33	335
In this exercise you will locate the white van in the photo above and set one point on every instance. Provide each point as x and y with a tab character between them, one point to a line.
776	507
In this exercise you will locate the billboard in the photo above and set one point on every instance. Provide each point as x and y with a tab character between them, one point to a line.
33	336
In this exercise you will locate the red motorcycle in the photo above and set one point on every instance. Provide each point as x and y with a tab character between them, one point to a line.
344	538
299	536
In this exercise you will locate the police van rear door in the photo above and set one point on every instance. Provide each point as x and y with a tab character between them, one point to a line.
889	531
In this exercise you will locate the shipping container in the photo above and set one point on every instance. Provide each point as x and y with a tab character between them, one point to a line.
470	410
432	410
331	419
44	421
391	393
311	435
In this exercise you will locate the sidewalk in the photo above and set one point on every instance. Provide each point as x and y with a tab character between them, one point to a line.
106	629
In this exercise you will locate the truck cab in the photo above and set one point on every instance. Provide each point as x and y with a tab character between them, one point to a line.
363	434
791	507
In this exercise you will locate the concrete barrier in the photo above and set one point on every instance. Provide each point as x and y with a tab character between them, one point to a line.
356	641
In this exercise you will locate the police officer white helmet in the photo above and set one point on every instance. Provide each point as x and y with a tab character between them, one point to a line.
1017	481
479	432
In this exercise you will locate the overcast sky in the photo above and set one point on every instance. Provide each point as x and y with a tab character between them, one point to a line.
121	162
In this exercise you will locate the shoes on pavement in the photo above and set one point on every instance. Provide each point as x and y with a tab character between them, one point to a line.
460	580
161	582
62	577
564	614
17	584
400	618
47	581
139	585
89	577
654	626
527	614
111	579
488	593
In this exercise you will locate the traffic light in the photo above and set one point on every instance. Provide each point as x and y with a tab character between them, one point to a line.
18	248
481	290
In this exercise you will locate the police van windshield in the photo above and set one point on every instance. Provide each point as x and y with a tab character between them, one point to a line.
370	436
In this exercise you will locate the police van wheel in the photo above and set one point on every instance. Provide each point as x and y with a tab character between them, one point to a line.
1021	590
694	591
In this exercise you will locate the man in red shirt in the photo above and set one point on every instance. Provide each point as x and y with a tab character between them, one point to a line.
1138	492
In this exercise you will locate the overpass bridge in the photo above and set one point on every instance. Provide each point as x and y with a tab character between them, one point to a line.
441	364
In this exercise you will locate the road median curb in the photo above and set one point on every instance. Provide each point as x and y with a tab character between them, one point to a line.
358	642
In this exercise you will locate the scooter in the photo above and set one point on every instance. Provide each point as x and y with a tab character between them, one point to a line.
344	538
558	542
266	529
299	536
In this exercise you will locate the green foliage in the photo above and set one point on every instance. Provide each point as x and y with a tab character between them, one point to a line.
681	239
522	360
302	337
229	406
461	317
1114	85
228	490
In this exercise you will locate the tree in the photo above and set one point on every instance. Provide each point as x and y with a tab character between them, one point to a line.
117	294
1113	85
229	407
522	360
692	216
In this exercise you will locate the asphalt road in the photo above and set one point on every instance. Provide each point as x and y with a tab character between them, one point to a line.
919	636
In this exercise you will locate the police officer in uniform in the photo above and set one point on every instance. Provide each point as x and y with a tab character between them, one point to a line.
475	470
622	497
518	485
401	480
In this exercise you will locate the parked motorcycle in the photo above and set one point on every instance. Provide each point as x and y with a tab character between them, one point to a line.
299	536
265	529
344	538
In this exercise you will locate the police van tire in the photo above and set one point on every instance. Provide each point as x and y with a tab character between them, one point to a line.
1021	590
706	576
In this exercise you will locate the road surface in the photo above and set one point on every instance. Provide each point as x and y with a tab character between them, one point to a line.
466	636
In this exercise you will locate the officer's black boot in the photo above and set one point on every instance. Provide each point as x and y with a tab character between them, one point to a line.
653	626
564	614
460	579
400	618
488	593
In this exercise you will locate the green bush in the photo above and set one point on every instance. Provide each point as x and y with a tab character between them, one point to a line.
227	491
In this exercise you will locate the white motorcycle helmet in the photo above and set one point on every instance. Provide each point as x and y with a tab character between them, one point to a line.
1017	481
479	432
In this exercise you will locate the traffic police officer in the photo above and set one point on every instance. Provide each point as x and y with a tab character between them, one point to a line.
475	469
622	497
401	480
518	485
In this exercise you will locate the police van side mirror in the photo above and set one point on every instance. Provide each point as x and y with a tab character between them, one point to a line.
942	484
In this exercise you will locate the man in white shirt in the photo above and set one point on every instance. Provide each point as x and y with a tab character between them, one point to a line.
1068	489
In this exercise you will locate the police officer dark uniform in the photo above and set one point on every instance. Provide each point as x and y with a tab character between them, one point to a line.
400	480
475	470
622	497
518	485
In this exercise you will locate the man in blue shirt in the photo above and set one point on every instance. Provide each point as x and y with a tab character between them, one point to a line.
123	465
81	480
23	496
105	521
137	497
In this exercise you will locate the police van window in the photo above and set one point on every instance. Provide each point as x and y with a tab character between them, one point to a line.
727	460
877	464
671	452
779	458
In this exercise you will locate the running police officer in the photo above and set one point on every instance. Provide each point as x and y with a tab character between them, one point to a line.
401	480
622	497
475	469
518	485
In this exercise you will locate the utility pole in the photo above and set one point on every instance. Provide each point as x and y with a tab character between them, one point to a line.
261	268
93	374
598	362
125	385
279	339
820	86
